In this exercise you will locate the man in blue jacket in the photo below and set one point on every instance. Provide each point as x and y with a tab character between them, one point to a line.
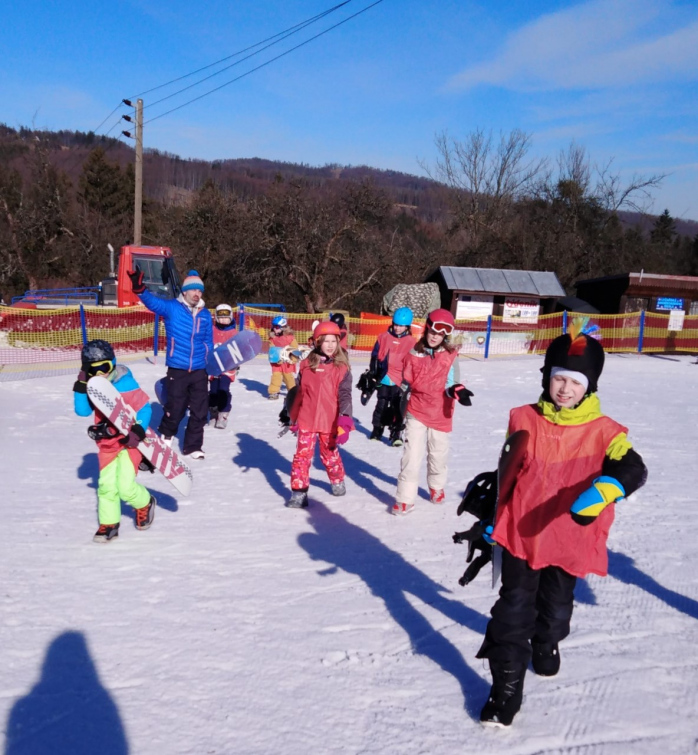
189	331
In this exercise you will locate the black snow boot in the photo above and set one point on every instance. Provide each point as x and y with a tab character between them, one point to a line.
298	499
546	658
377	433
506	694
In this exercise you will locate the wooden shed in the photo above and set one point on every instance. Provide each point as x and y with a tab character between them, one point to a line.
514	295
633	292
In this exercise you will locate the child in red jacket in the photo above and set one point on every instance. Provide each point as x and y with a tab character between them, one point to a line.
219	398
280	337
577	463
431	379
320	408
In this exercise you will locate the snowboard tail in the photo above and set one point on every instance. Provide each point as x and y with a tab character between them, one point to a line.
232	353
107	399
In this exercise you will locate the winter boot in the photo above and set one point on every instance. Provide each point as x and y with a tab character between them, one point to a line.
106	532
199	454
396	437
506	693
339	488
402	509
273	396
436	496
377	433
213	416
145	516
546	658
222	420
298	499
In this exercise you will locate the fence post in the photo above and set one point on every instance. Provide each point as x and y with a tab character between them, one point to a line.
83	325
241	316
487	336
564	322
156	336
641	335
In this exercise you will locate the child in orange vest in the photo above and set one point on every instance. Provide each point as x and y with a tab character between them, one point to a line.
280	337
320	409
554	522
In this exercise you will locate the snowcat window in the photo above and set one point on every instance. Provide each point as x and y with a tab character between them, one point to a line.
157	276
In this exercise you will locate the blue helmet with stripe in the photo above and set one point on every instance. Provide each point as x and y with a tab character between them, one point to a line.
403	316
279	322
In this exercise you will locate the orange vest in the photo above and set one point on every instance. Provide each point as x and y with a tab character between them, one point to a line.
427	377
561	461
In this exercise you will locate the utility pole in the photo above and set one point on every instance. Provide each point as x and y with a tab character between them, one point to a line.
138	196
138	206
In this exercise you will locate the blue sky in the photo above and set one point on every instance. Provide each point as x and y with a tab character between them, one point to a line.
619	77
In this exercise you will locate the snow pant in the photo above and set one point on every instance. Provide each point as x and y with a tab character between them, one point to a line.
387	411
417	437
117	482
277	378
302	459
533	605
186	390
219	397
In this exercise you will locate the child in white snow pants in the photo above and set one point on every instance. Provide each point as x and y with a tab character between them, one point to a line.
418	438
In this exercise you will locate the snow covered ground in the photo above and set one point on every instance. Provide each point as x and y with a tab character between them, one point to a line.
235	625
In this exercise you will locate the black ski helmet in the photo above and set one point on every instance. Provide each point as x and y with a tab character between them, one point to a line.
579	353
338	319
96	351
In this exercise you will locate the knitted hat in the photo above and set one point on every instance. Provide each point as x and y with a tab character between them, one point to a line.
192	281
576	351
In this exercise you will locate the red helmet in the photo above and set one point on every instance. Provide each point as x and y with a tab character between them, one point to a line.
326	328
441	321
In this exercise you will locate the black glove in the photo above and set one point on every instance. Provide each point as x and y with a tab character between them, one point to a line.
135	435
461	393
476	537
80	385
284	419
136	276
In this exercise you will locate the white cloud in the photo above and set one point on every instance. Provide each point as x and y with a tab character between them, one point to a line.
598	44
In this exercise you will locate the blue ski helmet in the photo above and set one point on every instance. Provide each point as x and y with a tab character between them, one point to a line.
279	322
403	316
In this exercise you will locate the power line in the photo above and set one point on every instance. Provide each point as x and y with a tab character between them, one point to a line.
281	37
262	65
298	26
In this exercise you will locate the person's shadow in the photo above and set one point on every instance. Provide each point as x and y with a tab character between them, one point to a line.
256	453
391	578
68	710
255	386
623	568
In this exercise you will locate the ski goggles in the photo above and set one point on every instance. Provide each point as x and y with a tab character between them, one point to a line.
224	313
98	368
440	328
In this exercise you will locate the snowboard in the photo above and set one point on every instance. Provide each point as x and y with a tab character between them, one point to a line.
107	399
232	353
510	460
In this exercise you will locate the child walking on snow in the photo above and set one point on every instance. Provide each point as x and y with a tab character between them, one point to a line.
280	337
554	523
321	409
386	369
118	454
219	399
431	379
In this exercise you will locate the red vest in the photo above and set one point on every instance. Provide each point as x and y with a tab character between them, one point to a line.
427	377
397	350
319	399
561	461
221	336
109	448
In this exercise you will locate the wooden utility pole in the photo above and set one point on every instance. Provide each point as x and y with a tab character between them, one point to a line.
138	206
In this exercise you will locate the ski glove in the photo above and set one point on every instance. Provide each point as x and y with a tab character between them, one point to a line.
135	435
80	385
136	276
460	392
344	426
594	500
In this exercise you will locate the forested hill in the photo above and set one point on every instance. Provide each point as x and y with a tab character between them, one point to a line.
322	237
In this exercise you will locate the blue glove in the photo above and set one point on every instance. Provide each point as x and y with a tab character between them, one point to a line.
594	500
487	535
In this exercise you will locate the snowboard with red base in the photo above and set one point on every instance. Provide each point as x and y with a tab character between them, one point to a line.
232	353
107	399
